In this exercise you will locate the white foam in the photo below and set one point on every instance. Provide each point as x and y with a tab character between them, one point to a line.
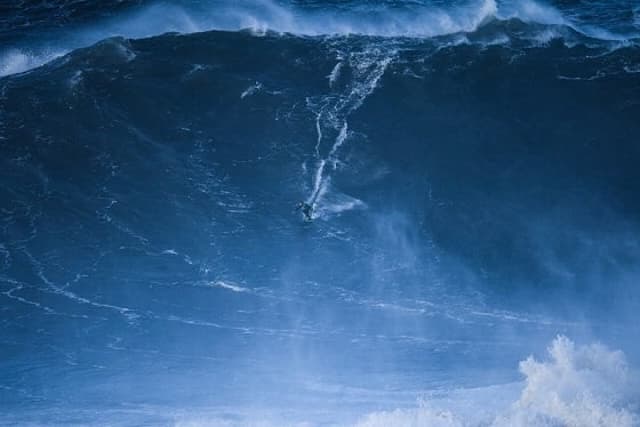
578	386
531	11
335	74
632	69
76	79
230	286
546	36
260	16
368	67
598	75
423	417
221	422
18	61
341	138
334	203
125	51
256	87
319	183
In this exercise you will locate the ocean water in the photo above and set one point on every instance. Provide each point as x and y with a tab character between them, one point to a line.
472	254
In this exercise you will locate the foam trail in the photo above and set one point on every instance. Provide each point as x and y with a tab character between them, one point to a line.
256	87
317	182
368	66
342	137
335	74
319	132
230	286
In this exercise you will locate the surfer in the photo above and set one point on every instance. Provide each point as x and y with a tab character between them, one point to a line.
307	210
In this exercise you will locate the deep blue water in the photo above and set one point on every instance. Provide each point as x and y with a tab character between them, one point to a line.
473	253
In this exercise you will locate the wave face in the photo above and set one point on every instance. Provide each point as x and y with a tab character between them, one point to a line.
470	171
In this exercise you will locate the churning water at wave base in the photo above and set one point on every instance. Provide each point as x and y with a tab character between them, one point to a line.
473	169
575	386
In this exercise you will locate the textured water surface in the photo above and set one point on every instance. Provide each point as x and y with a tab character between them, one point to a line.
472	253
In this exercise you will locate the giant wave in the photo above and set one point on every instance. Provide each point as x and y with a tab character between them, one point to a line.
473	177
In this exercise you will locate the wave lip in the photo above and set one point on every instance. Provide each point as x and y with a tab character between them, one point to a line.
372	21
411	19
260	16
17	61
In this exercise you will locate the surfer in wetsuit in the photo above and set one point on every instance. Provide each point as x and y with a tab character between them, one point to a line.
307	210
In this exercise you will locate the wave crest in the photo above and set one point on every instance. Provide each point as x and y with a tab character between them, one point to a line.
410	20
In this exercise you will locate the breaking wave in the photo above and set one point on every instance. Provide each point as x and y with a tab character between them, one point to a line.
470	178
576	386
409	20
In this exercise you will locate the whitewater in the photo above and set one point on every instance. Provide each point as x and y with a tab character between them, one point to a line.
408	20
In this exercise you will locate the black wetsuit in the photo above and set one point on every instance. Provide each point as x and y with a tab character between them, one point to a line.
307	210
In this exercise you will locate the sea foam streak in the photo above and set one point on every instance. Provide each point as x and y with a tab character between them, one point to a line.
367	67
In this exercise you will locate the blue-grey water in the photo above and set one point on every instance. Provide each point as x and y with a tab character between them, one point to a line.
473	249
